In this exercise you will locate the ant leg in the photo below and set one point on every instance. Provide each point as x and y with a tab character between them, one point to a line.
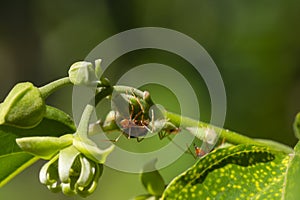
131	111
163	134
144	126
138	114
152	120
189	151
130	119
177	144
115	140
160	135
129	132
139	102
138	139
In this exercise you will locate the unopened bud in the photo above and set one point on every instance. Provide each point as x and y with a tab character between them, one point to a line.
82	73
24	107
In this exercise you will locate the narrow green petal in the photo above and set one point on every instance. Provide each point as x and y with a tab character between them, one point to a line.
44	147
66	159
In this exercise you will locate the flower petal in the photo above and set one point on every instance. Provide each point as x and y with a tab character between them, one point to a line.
44	147
91	150
66	159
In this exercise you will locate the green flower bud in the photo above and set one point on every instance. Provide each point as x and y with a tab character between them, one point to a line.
24	107
83	73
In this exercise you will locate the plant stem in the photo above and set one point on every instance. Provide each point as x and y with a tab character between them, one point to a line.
101	93
229	136
48	89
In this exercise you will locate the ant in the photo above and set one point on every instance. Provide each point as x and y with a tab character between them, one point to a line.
204	149
134	126
135	118
198	151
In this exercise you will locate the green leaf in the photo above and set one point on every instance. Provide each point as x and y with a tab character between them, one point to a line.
14	163
152	180
12	159
235	172
292	184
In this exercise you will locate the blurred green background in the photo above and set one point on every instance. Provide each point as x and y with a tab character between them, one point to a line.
255	44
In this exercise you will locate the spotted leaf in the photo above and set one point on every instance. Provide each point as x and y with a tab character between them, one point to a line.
235	172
